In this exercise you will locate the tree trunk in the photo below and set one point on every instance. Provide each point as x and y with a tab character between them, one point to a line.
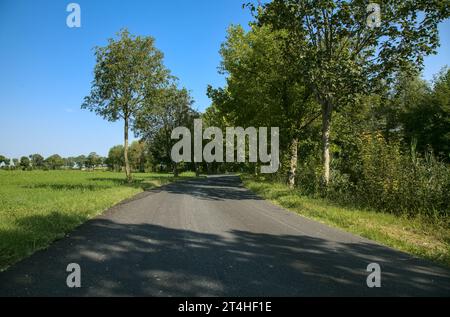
197	170
175	170
293	163
125	152
327	109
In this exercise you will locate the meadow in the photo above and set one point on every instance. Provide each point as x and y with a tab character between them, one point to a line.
39	207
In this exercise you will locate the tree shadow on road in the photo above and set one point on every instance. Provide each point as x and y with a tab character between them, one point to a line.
212	188
145	259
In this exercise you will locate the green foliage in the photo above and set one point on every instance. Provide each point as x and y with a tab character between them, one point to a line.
115	158
424	113
384	178
264	88
93	160
172	109
402	183
339	56
128	78
37	161
127	75
24	163
54	162
138	156
4	160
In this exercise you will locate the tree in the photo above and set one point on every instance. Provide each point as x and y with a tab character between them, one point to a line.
80	161
423	112
24	163
138	156
37	160
264	88
69	162
342	55
115	158
16	162
127	76
54	161
93	160
441	121
172	109
6	162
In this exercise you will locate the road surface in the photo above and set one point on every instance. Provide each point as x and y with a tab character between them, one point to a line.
212	237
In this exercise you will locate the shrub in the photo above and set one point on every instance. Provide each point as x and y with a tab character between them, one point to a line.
402	183
383	178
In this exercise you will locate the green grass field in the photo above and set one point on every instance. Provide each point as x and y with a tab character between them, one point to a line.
38	207
418	237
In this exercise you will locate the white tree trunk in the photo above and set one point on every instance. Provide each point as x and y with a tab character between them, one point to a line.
326	130
293	163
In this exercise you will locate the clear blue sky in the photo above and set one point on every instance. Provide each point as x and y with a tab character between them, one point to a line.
46	67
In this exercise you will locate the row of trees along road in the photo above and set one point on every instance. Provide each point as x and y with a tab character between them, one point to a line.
307	59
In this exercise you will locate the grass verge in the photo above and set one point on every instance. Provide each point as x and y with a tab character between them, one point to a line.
416	236
38	207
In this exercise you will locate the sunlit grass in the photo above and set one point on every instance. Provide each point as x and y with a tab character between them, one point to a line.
416	236
37	207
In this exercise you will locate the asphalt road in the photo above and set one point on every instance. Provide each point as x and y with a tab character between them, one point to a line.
212	237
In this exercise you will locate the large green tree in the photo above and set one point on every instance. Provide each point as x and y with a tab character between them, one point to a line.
264	88
128	74
341	54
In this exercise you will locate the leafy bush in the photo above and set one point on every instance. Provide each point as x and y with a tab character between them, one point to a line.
402	183
384	178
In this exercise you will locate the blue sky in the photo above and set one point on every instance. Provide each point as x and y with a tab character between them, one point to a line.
46	67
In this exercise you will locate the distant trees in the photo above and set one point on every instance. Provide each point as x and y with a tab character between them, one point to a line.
128	78
115	159
54	162
5	162
24	163
37	160
93	160
138	156
172	109
80	161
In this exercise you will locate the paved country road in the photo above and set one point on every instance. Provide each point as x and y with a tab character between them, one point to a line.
212	237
